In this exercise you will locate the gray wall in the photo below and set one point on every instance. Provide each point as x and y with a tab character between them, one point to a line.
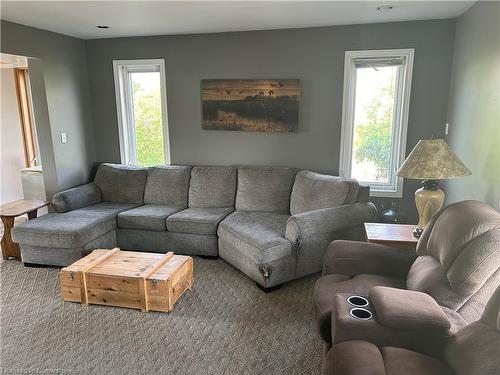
315	56
65	77
474	107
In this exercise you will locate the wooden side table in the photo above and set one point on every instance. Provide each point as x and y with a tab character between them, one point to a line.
394	235
8	212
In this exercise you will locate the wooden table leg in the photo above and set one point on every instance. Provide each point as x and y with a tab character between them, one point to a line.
9	248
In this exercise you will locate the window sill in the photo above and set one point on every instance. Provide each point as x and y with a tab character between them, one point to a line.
385	194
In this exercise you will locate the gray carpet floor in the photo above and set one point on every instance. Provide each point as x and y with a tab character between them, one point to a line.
225	325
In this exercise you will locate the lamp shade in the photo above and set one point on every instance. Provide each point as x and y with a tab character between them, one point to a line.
432	159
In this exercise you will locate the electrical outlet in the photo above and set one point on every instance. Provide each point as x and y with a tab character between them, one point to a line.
64	138
446	128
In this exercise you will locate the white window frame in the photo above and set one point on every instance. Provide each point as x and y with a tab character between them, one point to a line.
400	125
125	109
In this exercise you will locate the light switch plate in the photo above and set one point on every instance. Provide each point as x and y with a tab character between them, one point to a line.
64	139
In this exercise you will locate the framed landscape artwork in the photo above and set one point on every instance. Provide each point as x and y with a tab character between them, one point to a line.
257	105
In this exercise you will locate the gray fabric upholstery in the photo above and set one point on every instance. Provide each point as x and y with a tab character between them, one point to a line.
267	274
121	183
311	232
75	198
148	217
260	235
264	189
363	194
106	209
64	256
161	242
253	242
173	205
70	229
314	191
168	185
212	187
197	220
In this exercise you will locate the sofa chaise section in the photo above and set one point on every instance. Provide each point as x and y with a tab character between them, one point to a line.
60	239
84	217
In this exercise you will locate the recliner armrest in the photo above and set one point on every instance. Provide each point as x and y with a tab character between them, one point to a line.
354	258
75	198
408	310
351	320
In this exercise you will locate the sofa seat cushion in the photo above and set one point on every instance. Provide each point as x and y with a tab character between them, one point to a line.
147	217
363	357
69	229
106	209
260	235
329	285
197	220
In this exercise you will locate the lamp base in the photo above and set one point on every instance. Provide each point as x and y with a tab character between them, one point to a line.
417	232
429	200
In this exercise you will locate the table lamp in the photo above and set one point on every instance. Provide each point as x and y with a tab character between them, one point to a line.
430	160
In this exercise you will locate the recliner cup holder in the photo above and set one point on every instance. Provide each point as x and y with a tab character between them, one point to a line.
357	301
360	313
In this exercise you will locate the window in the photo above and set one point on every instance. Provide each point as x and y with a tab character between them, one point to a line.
142	115
375	117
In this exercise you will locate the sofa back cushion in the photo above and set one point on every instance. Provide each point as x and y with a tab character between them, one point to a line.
168	185
212	187
121	183
459	258
265	189
314	191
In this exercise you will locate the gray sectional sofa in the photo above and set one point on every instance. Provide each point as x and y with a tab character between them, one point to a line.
272	223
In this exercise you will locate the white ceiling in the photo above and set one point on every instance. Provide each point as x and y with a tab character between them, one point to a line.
138	18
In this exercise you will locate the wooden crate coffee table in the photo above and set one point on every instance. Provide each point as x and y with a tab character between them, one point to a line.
137	280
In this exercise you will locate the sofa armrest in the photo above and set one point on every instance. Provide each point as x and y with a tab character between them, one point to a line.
354	258
78	197
328	220
311	232
408	310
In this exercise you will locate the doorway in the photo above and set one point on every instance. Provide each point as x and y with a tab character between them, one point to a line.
21	173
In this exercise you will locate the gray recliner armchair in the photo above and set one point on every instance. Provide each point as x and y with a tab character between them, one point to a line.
473	350
457	263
